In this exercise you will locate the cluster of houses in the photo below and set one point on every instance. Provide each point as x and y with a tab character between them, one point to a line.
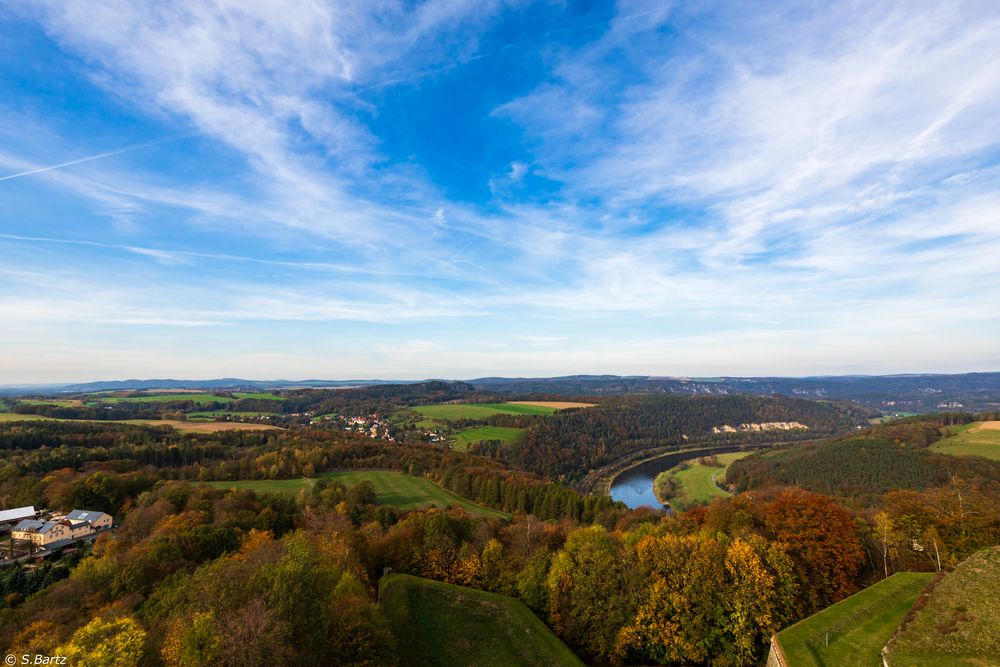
371	426
53	530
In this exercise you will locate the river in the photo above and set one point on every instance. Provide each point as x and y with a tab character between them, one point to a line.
634	487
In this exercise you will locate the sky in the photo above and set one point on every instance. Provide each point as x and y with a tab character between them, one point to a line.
382	189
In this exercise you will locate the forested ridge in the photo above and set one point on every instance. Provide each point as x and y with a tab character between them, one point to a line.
570	443
862	467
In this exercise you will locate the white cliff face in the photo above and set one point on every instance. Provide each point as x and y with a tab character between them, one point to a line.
760	427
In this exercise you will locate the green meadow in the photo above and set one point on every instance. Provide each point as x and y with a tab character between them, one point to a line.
470	435
439	624
853	631
450	411
406	492
971	440
697	482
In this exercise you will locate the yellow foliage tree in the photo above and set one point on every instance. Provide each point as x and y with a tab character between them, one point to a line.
752	601
116	642
37	638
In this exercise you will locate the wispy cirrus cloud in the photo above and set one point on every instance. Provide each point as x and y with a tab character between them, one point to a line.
823	155
467	183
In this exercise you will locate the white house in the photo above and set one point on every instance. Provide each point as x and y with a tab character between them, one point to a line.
75	525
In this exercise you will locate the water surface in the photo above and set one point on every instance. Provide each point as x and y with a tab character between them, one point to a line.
634	487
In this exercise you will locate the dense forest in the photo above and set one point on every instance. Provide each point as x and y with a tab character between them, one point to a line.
861	468
212	577
568	444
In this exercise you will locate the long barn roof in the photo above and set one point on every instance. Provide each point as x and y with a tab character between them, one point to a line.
17	514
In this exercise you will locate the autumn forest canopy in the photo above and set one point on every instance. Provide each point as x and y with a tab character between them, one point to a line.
253	547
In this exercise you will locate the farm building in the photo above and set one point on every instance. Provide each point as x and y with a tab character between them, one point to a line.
97	521
74	526
10	518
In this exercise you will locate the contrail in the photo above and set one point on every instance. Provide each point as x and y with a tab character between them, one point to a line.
445	265
91	158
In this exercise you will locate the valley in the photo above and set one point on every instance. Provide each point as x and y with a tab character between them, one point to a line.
457	509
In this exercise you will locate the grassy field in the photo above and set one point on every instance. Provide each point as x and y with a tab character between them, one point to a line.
14	417
853	631
438	624
69	403
697	481
480	410
470	435
262	396
199	399
187	427
975	439
960	623
391	488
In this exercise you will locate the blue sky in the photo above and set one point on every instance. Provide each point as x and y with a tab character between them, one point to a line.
458	189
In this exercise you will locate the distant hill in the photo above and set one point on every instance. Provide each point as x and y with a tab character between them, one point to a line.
216	384
891	393
909	393
222	383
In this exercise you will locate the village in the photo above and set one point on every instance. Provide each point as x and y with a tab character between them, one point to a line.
372	426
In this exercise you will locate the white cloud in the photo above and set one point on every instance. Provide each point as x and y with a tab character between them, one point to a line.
783	178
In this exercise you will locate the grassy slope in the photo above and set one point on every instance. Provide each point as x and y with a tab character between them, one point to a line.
960	624
857	627
479	410
465	438
442	624
971	441
698	481
391	488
